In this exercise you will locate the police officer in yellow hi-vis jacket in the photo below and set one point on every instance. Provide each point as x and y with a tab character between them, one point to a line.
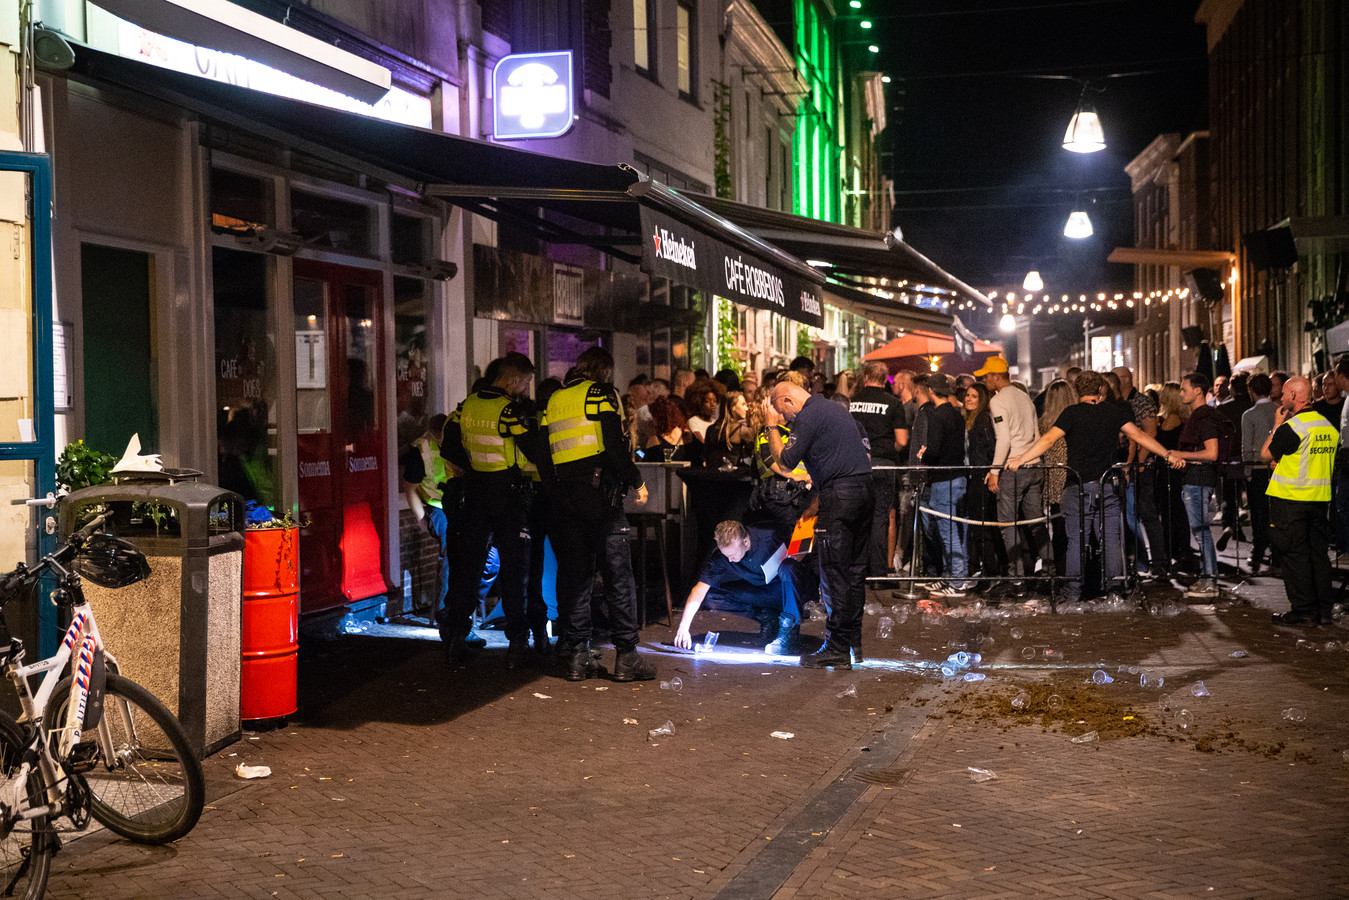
493	437
593	471
1302	447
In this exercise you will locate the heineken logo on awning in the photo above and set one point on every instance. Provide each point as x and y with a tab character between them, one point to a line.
674	249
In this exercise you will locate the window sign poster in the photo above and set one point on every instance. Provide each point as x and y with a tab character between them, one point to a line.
311	360
61	365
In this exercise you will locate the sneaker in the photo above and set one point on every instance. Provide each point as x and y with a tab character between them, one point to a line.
1223	539
787	643
1202	591
1298	620
949	593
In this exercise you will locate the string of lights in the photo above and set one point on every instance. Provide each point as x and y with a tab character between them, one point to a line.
1043	304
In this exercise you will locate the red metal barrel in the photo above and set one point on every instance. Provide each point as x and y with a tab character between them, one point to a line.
271	623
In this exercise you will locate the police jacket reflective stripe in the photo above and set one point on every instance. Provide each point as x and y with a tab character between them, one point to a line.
481	433
572	434
433	464
1305	475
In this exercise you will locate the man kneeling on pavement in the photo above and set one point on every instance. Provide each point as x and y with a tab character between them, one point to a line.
750	574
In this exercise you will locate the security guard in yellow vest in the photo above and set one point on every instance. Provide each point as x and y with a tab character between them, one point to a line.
1302	447
491	437
593	472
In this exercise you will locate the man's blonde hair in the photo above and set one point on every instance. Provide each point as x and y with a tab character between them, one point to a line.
729	532
792	376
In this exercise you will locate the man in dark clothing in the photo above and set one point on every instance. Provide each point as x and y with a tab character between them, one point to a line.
826	438
493	437
1233	408
881	416
922	407
750	574
1199	445
593	470
944	445
1090	429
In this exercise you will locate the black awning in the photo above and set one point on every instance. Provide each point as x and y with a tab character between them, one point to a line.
842	251
504	182
890	313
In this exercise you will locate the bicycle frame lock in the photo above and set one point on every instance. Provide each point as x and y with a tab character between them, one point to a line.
178	631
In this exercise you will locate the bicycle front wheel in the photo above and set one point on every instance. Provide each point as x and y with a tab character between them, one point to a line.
147	784
26	846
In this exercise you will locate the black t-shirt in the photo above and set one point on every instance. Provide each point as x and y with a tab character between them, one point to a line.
1091	432
1331	411
945	441
879	413
1201	426
719	571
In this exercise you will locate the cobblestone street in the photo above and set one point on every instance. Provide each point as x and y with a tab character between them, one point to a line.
402	778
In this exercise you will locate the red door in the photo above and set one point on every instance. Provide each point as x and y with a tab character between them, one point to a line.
340	434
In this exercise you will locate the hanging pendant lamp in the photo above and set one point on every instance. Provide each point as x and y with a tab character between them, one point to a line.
1084	134
1078	226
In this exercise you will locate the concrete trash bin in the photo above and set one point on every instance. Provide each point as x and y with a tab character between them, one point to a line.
178	632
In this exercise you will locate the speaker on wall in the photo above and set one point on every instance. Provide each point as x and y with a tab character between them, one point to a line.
1207	284
1271	249
1193	336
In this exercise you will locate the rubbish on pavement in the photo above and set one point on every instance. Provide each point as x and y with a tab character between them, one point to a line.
783	735
908	651
1100	677
960	658
850	691
1237	654
1294	714
979	776
901	613
1198	689
1134	670
1332	646
1020	701
1017	634
247	771
948	669
709	641
1088	738
1185	719
975	676
1028	653
675	684
542	696
872	608
884	626
1055	702
667	728
1072	630
629	721
814	611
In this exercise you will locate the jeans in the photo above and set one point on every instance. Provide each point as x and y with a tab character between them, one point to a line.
794	586
436	528
1020	497
944	497
845	519
1196	499
1082	517
587	533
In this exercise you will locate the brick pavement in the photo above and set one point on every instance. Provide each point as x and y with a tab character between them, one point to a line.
401	779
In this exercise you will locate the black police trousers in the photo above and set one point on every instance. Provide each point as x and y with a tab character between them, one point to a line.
495	512
846	506
588	533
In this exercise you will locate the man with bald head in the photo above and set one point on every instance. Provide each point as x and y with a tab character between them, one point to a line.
1302	447
827	439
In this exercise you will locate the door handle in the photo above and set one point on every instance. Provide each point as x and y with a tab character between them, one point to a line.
48	501
351	448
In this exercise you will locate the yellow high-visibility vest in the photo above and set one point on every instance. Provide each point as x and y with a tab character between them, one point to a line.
434	470
480	432
1305	475
571	435
761	442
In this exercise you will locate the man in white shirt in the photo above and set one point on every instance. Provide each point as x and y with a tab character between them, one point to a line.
1020	493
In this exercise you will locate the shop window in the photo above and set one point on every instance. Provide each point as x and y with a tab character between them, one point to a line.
408	240
312	410
338	225
121	396
245	378
240	203
564	347
412	362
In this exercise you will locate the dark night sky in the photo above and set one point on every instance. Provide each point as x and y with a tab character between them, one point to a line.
983	184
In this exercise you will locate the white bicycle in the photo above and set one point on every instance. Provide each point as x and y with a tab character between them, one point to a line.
90	744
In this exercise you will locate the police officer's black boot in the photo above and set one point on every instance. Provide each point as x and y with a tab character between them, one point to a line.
577	663
831	655
630	666
517	655
788	640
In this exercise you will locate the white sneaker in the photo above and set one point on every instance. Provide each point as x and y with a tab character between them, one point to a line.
949	593
1202	592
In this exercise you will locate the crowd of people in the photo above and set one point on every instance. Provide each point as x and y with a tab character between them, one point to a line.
947	483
